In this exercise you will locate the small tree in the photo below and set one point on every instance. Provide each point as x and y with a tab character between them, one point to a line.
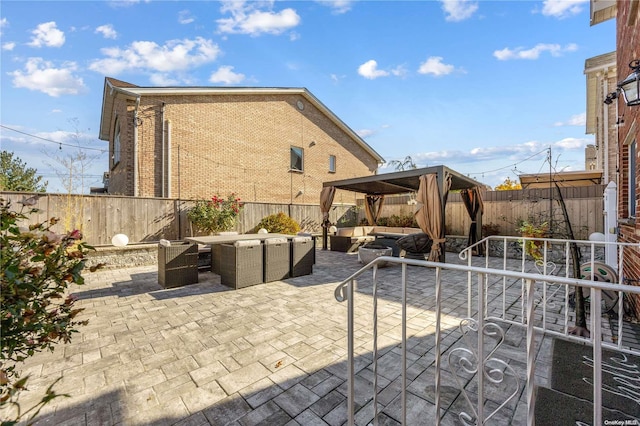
508	185
16	176
36	268
406	164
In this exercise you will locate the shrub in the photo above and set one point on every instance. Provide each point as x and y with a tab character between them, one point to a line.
217	214
406	221
36	268
279	223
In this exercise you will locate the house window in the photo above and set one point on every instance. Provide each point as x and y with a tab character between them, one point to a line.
332	164
631	173
297	159
116	144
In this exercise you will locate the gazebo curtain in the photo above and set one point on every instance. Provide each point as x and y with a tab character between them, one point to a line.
373	207
326	200
472	200
429	209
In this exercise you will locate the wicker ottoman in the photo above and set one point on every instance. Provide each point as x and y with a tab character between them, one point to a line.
276	259
241	264
302	256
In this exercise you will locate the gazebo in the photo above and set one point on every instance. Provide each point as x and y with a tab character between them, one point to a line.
432	186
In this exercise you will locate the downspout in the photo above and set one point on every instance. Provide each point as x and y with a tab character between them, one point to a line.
605	132
168	158
162	174
135	147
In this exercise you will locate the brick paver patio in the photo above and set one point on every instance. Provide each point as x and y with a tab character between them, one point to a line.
272	354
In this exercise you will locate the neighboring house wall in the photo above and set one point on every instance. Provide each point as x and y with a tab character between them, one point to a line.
227	143
601	118
628	49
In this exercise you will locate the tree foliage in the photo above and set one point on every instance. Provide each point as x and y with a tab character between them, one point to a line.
406	164
508	185
16	176
217	214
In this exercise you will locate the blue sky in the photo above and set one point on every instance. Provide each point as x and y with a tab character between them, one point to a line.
484	87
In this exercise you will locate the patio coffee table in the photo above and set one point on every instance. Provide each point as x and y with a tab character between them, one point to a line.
370	252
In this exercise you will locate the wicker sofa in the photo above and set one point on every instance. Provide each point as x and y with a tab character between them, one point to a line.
349	239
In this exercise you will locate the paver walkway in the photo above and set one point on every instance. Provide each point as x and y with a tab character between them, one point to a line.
272	354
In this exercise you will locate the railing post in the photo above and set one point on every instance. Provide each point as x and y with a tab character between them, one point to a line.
531	361
404	343
596	318
481	280
350	356
438	346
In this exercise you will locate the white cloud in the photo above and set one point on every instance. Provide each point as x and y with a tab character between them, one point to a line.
369	70
41	75
47	34
3	23
574	120
162	80
562	8
399	71
435	66
226	75
246	18
8	45
458	10
107	31
338	6
572	144
184	17
535	52
363	133
174	55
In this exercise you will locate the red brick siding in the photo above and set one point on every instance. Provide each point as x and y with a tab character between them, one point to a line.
628	49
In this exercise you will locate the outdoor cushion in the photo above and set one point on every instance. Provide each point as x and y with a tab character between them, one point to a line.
301	239
278	240
245	243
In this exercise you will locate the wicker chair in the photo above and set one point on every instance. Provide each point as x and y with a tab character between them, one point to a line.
241	263
302	256
277	256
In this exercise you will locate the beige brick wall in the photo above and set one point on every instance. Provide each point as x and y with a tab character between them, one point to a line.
237	143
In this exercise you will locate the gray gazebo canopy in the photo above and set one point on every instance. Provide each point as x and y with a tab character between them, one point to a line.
410	181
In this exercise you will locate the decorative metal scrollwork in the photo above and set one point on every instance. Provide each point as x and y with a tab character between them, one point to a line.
548	270
464	361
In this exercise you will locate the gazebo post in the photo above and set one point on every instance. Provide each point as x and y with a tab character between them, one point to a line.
443	196
324	237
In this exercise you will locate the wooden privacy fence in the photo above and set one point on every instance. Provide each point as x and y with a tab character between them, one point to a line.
504	209
100	217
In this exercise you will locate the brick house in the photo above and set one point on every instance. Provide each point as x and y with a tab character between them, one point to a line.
627	127
628	49
272	145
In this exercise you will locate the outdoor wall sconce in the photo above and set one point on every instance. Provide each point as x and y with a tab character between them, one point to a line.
610	98
630	86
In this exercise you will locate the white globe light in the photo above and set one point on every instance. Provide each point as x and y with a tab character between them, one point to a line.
597	236
120	240
262	231
333	229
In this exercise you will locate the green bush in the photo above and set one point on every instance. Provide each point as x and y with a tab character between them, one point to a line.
394	220
217	214
279	223
36	312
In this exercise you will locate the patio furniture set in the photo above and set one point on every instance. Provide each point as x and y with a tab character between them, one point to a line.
371	242
350	239
240	260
